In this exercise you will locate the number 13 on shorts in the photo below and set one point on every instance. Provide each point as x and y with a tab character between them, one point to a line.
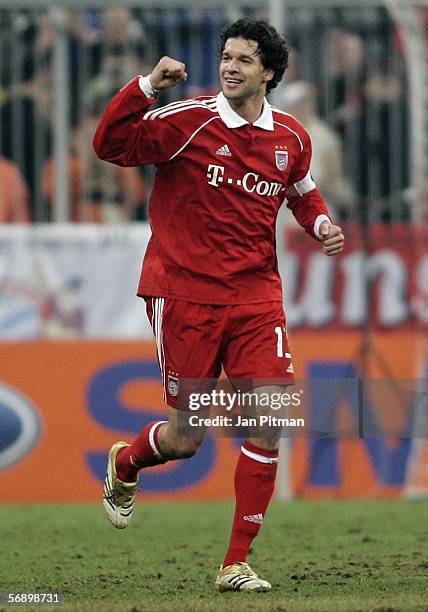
281	335
282	341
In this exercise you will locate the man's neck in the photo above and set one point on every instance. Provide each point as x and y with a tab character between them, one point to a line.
249	109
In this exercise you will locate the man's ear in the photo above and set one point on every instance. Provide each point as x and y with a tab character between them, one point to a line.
268	75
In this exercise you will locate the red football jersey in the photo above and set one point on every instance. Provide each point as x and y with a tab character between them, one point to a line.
219	184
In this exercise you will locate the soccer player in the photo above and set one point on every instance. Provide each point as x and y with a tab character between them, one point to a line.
225	164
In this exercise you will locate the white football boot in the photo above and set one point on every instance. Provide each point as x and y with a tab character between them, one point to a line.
240	577
119	497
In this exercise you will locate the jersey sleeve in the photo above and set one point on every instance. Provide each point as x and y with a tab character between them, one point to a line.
128	134
307	204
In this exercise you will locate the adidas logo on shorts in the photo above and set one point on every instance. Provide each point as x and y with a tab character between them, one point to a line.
254	518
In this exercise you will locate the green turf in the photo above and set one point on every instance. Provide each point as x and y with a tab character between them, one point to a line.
332	556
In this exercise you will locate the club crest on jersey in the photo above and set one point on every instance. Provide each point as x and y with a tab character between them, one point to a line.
173	385
281	159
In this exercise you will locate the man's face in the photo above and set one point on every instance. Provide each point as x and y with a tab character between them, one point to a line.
242	74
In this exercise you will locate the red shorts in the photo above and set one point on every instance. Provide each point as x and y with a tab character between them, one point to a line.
194	341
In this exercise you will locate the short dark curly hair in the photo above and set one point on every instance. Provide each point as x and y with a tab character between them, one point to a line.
273	47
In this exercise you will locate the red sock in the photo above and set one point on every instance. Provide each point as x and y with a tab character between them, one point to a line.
254	484
143	452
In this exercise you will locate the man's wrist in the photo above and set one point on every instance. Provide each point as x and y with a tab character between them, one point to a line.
147	87
156	91
318	222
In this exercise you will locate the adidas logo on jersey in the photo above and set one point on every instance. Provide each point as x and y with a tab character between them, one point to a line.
224	150
254	518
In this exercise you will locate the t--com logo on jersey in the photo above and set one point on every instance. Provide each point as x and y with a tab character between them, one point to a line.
250	182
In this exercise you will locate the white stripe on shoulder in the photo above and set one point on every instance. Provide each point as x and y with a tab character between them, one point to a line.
210	102
156	111
182	109
293	132
201	127
154	114
160	113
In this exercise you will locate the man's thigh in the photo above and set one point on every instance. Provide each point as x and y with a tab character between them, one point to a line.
189	345
258	351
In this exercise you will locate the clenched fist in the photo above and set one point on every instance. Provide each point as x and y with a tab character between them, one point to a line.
167	73
332	237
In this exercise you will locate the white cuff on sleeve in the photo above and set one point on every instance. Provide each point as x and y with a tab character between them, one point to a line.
146	86
318	222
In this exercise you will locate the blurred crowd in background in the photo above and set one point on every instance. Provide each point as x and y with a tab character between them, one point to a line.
346	83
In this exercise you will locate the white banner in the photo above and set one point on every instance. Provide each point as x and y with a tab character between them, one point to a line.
59	281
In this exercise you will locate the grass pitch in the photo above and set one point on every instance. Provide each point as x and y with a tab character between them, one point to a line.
320	556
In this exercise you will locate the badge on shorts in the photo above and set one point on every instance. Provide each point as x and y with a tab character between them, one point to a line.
281	159
173	385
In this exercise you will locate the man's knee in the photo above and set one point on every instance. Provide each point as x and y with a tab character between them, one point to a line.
175	444
267	442
185	448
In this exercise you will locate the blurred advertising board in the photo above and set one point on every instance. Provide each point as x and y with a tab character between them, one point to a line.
62	404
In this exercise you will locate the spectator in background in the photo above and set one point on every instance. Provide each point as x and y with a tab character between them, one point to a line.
300	100
115	194
365	101
342	100
14	194
118	193
294	68
384	166
99	193
76	173
25	108
117	53
347	76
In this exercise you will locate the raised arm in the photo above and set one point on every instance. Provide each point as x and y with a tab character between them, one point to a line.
126	135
